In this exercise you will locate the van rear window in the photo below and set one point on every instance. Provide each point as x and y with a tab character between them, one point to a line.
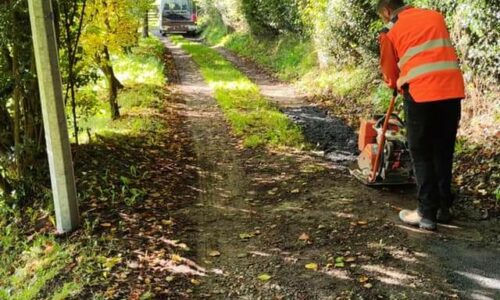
178	5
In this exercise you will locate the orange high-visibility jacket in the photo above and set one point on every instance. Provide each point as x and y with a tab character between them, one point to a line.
416	49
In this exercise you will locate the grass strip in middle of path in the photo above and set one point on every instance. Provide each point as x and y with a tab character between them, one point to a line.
252	117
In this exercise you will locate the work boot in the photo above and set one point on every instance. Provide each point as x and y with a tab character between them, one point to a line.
444	215
415	218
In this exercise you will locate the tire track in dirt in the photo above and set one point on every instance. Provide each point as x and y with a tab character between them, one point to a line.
222	181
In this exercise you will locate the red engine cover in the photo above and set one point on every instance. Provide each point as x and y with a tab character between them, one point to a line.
367	135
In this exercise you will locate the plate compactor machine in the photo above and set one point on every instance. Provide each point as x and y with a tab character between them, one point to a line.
385	159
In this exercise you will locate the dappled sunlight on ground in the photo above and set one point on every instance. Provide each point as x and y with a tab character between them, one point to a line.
483	281
389	275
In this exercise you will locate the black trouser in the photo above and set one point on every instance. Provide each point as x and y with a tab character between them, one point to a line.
432	129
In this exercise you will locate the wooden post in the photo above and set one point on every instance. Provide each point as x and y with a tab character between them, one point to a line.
54	118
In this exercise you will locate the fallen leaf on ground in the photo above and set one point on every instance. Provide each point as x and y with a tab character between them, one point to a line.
195	282
339	262
362	222
49	247
312	266
176	258
273	191
368	286
246	236
350	259
295	191
304	237
170	278
363	279
264	277
214	253
167	222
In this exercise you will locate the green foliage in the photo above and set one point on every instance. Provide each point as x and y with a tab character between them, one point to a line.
142	70
21	142
345	31
10	237
66	291
251	116
112	24
345	83
289	57
214	28
272	17
381	98
227	12
39	264
111	28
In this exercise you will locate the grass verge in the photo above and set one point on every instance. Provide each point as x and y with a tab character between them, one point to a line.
295	60
142	73
289	57
34	264
252	117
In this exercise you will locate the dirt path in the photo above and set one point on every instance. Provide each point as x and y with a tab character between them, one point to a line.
273	213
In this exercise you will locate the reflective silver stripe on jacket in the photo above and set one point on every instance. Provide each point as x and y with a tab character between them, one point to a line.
433	44
428	68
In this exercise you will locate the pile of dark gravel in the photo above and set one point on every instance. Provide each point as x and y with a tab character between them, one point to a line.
329	134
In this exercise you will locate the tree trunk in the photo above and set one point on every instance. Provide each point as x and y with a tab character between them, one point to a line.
114	85
72	16
6	123
17	108
35	125
145	27
6	138
113	96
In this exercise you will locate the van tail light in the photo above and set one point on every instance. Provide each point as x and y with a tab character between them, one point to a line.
194	18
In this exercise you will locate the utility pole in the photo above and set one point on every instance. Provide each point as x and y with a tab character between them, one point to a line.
54	118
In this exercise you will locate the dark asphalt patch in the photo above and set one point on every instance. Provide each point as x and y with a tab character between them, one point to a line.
330	135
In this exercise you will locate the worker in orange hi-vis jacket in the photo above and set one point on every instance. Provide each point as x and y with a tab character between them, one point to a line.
418	59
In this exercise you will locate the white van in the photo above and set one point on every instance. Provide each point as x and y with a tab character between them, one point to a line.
178	16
